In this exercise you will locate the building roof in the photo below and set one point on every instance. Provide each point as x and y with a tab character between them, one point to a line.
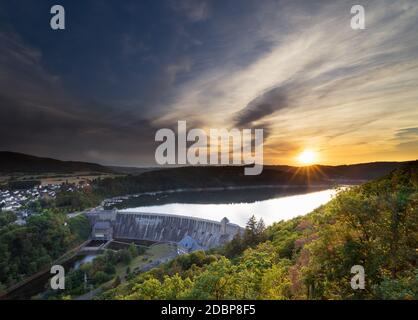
102	225
190	244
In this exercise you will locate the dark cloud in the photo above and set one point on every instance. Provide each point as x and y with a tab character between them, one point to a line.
41	132
194	10
281	97
407	133
38	116
262	106
407	139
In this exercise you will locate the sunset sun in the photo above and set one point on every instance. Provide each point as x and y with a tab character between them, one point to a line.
307	157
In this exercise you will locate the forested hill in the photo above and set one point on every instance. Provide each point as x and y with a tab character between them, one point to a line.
360	171
17	162
222	176
12	162
374	225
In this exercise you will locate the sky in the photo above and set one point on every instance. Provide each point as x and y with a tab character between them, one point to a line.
100	89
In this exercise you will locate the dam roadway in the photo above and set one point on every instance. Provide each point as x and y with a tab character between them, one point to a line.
113	224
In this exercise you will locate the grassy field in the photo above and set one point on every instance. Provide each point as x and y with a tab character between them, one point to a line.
56	178
153	253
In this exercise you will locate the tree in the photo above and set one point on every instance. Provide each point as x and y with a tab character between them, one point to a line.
235	247
254	232
175	287
133	250
125	256
101	277
7	217
150	289
275	283
217	282
261	227
26	249
117	282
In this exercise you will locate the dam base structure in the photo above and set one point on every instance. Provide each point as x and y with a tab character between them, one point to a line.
189	233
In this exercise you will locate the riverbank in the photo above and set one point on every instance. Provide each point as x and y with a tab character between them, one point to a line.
109	202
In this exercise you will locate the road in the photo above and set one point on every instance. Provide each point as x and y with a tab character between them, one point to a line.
75	214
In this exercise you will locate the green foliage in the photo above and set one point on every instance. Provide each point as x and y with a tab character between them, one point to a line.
276	283
133	251
70	201
101	277
170	288
25	250
395	289
254	233
374	225
94	274
125	256
80	227
6	218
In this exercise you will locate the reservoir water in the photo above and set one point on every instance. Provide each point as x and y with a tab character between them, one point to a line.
270	204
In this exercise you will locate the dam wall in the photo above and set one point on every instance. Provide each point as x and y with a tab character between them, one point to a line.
162	227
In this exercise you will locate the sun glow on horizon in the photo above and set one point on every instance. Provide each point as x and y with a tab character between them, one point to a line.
307	157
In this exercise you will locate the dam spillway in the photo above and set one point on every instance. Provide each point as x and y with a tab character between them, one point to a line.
113	224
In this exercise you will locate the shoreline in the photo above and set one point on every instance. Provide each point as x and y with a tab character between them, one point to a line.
342	183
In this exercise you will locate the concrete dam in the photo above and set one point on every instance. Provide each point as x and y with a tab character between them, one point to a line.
192	233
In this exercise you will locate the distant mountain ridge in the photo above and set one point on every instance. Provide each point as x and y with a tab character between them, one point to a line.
18	162
233	176
359	171
11	162
132	170
273	174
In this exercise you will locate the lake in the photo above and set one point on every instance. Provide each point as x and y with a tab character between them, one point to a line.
271	204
